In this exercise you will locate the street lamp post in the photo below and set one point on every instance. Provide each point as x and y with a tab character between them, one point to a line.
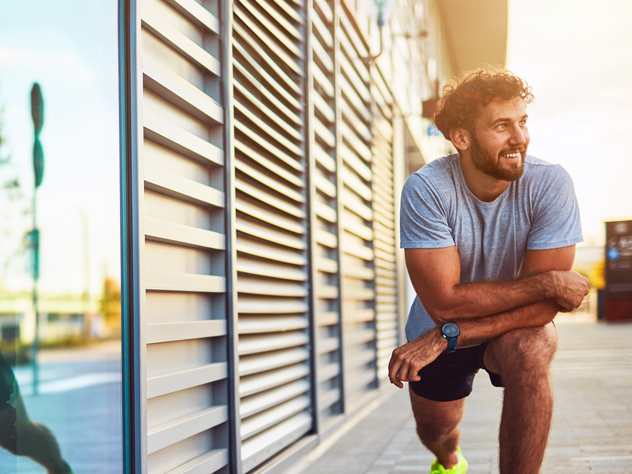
37	113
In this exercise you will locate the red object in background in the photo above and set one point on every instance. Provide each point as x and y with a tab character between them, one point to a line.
618	309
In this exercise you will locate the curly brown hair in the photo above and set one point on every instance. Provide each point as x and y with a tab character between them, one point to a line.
462	101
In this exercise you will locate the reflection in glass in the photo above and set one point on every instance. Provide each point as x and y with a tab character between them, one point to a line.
60	299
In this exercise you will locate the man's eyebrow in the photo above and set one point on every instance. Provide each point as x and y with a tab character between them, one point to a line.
507	119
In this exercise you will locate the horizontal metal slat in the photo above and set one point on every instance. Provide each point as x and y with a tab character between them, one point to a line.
179	42
275	360
269	41
270	306
263	324
183	282
265	233
327	372
182	94
267	129
278	18
321	54
326	265
324	159
324	185
354	100
262	251
358	145
196	13
359	166
265	342
179	140
325	10
323	81
322	29
269	113
330	292
326	212
258	423
170	433
260	142
257	449
182	188
291	12
209	462
350	248
167	332
287	112
250	153
270	270
268	199
326	239
258	383
359	44
358	125
242	57
268	181
270	218
325	346
324	133
327	318
328	398
354	203
270	25
158	230
354	182
361	294
183	379
269	288
324	108
359	86
361	273
264	401
351	225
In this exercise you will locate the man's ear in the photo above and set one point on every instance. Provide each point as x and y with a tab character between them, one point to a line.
460	138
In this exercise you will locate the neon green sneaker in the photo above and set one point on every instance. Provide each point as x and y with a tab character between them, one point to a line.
460	468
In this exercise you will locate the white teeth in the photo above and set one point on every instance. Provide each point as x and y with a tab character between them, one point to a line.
512	155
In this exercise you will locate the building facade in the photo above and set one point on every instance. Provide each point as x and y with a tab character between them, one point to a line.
263	147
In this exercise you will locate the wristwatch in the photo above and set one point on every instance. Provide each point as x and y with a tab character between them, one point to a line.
450	331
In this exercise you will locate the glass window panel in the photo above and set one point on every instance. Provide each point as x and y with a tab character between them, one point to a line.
60	309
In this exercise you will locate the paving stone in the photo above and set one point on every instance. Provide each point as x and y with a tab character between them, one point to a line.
592	422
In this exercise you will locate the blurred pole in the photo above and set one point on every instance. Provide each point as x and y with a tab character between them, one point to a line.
37	114
86	274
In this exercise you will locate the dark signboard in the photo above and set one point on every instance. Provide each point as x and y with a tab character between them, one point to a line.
619	258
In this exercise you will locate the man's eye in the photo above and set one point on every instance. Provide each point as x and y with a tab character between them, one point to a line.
501	126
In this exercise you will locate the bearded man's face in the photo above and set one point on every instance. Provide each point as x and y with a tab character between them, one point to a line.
500	140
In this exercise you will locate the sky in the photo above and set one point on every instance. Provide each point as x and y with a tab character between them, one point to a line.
577	57
71	51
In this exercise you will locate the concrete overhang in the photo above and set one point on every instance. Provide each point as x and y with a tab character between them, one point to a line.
475	32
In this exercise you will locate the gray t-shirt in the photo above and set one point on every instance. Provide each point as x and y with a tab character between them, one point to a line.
538	211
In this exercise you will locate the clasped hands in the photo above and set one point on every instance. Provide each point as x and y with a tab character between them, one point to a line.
409	359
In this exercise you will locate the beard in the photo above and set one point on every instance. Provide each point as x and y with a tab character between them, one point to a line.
492	166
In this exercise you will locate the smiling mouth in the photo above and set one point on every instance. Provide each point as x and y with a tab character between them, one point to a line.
514	155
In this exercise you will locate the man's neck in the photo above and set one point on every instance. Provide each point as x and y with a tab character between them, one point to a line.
483	186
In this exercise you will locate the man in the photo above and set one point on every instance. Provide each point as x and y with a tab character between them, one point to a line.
489	237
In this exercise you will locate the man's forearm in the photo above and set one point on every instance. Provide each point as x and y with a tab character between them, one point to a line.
481	299
476	331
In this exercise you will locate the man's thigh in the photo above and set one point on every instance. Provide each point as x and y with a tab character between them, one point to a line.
436	417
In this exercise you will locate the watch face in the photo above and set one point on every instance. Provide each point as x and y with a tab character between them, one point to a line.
450	330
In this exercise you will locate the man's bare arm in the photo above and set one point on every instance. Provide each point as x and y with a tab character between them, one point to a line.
408	359
435	275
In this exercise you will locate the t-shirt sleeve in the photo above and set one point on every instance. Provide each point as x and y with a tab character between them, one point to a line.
555	221
423	222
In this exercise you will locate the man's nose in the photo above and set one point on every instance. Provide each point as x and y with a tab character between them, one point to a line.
518	135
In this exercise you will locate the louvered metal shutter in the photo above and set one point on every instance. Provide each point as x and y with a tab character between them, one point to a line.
384	243
184	259
356	234
272	266
325	209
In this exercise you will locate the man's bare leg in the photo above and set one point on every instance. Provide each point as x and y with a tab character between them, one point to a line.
24	437
438	426
523	359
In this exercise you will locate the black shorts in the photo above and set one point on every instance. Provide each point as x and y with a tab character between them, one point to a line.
451	375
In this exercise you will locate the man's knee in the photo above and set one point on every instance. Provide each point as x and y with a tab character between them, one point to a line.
436	420
525	352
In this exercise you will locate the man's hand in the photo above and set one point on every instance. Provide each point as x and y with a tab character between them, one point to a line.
410	358
569	288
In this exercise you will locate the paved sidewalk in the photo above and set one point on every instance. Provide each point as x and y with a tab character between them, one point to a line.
592	425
